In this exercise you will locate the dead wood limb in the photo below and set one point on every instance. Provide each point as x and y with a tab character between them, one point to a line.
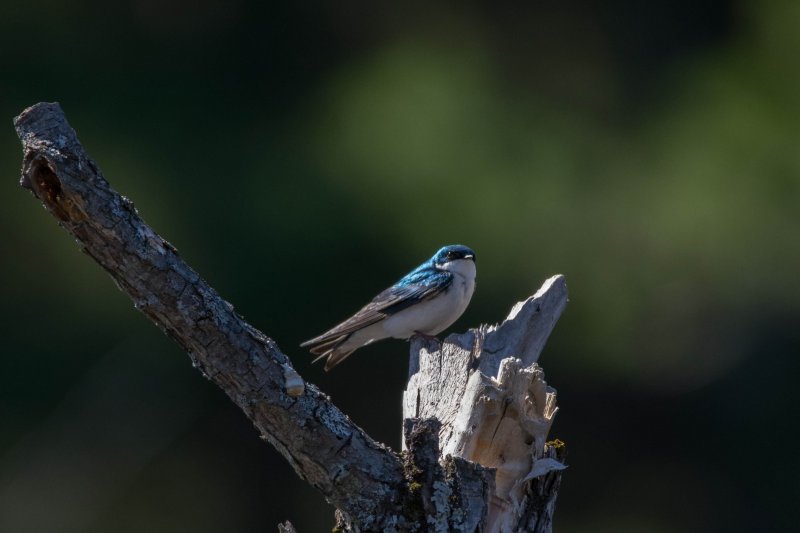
433	486
495	408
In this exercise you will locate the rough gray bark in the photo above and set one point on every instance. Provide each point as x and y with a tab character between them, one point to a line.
355	473
372	487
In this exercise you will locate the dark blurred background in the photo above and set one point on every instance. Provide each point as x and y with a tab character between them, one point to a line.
302	157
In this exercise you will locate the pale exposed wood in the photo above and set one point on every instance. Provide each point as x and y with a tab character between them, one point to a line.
477	409
490	395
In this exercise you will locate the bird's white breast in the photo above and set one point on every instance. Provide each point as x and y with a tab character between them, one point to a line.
435	315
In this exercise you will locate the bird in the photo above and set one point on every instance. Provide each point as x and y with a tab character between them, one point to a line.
426	301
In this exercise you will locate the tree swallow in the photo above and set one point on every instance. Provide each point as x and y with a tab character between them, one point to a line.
425	302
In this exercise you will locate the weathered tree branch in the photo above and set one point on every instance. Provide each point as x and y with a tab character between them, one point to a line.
432	486
356	474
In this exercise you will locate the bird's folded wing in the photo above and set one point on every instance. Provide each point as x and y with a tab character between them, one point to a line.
389	302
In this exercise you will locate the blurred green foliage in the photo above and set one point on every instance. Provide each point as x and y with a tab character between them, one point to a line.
302	157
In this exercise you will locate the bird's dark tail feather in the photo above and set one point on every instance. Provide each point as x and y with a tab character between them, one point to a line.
334	358
330	348
325	345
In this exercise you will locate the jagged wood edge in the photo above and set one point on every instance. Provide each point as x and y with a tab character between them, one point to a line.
442	373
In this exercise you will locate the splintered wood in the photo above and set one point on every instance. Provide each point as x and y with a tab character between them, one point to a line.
495	408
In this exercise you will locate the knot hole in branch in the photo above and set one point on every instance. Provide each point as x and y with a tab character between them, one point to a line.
40	177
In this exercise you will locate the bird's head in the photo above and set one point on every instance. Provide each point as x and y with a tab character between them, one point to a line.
453	255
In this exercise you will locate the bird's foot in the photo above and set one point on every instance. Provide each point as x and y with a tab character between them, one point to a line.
424	337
